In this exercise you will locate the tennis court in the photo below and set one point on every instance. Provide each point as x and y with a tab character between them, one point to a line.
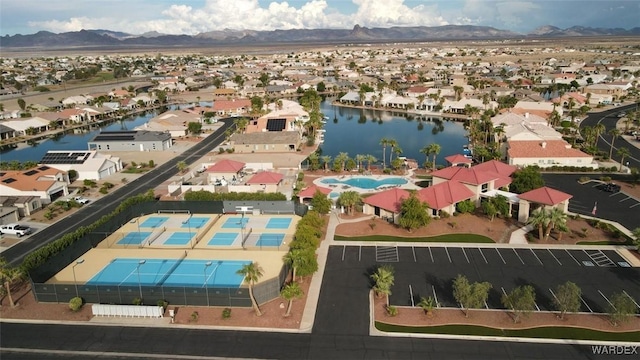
195	222
267	239
223	239
170	272
278	223
134	238
235	223
179	238
154	222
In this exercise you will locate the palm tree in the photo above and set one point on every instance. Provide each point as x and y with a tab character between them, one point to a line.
622	152
383	279
294	258
614	134
434	149
427	304
598	130
341	159
359	160
392	143
557	218
540	218
326	159
384	142
349	199
182	166
370	159
252	273
458	90
7	276
425	151
289	292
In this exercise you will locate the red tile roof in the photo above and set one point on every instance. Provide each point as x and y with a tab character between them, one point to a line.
389	200
311	191
226	166
545	195
457	159
444	194
265	177
497	167
231	104
543	149
471	176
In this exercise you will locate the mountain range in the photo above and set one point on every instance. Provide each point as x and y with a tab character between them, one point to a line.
359	34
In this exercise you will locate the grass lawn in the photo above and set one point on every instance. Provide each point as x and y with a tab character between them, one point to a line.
453	238
549	332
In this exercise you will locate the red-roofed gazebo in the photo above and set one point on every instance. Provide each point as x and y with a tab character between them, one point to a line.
309	192
544	196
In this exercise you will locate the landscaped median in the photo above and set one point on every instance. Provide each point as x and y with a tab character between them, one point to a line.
446	238
499	323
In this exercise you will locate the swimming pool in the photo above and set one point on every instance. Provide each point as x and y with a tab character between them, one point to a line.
365	182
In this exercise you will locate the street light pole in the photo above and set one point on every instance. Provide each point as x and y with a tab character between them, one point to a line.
206	286
140	263
73	269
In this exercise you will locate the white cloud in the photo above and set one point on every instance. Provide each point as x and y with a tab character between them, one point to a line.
385	13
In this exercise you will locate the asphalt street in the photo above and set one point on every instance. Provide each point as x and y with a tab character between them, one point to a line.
609	118
611	206
96	209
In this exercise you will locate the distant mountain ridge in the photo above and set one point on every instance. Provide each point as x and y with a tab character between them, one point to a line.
100	37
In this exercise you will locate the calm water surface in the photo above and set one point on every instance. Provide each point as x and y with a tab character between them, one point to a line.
357	131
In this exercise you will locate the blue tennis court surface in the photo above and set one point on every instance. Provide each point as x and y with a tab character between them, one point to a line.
278	223
223	238
134	238
195	222
154	221
179	238
170	272
235	223
270	240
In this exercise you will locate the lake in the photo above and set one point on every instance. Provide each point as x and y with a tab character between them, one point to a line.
354	131
357	131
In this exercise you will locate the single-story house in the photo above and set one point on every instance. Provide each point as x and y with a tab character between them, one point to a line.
89	165
131	141
263	142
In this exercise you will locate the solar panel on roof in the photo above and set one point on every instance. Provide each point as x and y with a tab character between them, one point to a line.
65	158
276	124
31	172
43	168
8	181
113	138
2	173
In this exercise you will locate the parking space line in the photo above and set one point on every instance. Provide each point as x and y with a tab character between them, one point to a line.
465	255
634	205
360	253
554	295
625	199
601	294
585	304
500	256
629	296
534	254
554	256
536	304
411	294
413	248
514	250
430	253
574	259
449	256
344	249
481	253
486	305
615	194
435	297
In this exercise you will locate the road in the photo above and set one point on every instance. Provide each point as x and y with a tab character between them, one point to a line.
609	119
95	210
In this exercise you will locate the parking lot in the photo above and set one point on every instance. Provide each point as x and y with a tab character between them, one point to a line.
616	206
429	271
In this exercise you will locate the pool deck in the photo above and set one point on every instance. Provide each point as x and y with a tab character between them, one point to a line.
340	188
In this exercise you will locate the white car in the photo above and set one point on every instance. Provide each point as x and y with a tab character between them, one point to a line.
15	229
81	200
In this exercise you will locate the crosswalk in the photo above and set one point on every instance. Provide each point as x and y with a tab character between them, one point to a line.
600	258
387	254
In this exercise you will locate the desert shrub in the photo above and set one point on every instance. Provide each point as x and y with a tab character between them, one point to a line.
584	179
136	301
103	190
444	214
152	164
108	185
392	310
163	303
605	178
226	313
466	206
195	316
134	164
75	304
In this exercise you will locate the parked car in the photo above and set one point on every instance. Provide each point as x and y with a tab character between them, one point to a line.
81	200
611	187
15	229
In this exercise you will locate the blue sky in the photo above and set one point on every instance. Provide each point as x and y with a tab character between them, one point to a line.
196	16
